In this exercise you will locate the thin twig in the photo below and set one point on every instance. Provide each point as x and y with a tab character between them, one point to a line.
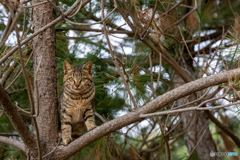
165	124
159	72
192	102
100	117
149	23
123	66
174	125
114	59
23	67
224	128
78	37
28	113
9	28
151	73
9	134
89	24
167	149
183	17
36	84
169	10
52	150
35	5
2	114
16	77
29	94
190	54
80	6
24	23
186	109
55	7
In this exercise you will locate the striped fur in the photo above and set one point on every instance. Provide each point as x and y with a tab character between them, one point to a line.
76	103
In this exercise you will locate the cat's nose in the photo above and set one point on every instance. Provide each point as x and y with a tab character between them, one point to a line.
77	84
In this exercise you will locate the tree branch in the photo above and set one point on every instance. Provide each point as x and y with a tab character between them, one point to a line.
224	128
154	105
13	142
17	120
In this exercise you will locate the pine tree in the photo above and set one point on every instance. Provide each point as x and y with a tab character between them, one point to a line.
149	56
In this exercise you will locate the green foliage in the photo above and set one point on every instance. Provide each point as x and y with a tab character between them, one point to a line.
7	151
104	149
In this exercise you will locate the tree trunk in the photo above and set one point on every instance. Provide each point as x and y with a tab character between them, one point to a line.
195	123
45	77
199	126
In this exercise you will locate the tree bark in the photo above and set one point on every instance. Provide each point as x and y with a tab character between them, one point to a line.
195	123
194	134
45	76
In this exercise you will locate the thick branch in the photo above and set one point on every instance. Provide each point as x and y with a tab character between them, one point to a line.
17	120
13	142
154	105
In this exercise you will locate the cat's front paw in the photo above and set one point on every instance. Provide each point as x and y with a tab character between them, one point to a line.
89	128
66	141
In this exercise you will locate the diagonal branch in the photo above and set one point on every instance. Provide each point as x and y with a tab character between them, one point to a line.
224	128
17	121
153	106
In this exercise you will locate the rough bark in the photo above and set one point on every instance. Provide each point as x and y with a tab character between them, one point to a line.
194	123
45	76
194	133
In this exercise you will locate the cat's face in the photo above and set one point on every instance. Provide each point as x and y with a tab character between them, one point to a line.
77	79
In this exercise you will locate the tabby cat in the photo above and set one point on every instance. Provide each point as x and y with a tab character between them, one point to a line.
76	103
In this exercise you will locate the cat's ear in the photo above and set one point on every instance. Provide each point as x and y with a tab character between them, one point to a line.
66	66
88	67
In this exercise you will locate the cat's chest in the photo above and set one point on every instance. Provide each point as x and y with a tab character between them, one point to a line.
77	115
77	111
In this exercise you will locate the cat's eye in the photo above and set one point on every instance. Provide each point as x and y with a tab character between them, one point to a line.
83	79
71	79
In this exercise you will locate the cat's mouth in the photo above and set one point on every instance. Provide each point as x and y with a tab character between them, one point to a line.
77	90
